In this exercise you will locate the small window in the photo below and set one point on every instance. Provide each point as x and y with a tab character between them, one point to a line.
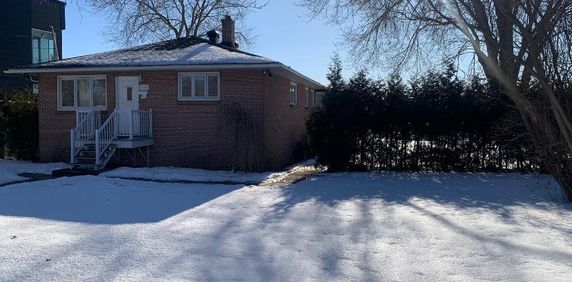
43	46
199	86
99	93
307	93
319	97
67	87
186	90
313	97
293	94
129	94
213	86
82	92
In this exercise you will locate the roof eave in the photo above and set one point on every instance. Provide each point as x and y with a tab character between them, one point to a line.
46	70
41	70
316	85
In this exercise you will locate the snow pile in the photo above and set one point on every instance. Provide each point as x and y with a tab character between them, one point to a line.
295	171
175	174
178	174
9	169
358	226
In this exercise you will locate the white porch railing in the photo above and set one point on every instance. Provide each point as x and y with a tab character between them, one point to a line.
86	124
141	123
118	124
104	136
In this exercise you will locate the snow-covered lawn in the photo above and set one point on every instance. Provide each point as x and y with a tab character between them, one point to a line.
9	169
359	226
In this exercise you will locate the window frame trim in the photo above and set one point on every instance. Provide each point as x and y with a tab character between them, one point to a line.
313	92
295	102
39	45
59	97
307	93
193	96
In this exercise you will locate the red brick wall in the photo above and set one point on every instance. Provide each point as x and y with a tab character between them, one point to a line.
200	133
197	133
187	133
285	125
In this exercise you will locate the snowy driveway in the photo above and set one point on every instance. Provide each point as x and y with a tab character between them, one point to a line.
422	227
10	170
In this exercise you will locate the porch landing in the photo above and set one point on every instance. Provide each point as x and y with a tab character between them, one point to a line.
135	142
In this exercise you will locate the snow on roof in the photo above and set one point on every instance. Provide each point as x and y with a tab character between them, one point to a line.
184	51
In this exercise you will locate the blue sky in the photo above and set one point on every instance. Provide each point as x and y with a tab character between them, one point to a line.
283	32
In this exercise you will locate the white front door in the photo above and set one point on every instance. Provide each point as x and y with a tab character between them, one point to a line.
127	93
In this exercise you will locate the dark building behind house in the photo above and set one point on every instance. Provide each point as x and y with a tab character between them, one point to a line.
30	32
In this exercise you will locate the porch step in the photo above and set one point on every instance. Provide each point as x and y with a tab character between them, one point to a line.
86	157
85	160
86	154
89	147
91	132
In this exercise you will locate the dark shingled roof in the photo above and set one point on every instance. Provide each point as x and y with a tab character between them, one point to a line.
176	52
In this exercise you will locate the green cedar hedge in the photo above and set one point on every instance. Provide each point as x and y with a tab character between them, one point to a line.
435	122
19	124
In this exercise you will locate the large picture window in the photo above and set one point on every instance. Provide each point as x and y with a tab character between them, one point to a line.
82	92
43	46
199	86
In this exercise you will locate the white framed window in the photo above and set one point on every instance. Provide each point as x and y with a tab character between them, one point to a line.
82	92
319	97
313	97
199	86
307	92
293	94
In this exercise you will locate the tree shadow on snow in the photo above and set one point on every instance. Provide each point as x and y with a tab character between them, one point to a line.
427	194
493	192
100	200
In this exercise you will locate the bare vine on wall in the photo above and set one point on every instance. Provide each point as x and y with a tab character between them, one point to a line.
245	135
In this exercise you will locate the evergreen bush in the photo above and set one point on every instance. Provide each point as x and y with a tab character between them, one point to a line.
436	122
19	124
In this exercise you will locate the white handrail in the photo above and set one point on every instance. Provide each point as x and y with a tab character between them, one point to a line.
88	131
86	124
104	136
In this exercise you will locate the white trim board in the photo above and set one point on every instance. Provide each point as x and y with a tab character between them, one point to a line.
280	66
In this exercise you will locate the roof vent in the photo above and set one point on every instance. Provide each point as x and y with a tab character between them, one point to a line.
213	36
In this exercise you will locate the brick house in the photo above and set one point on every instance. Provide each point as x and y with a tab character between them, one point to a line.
187	102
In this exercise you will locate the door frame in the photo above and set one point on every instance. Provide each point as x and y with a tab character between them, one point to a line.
136	91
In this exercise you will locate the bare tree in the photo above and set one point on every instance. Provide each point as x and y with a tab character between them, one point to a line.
137	21
518	43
